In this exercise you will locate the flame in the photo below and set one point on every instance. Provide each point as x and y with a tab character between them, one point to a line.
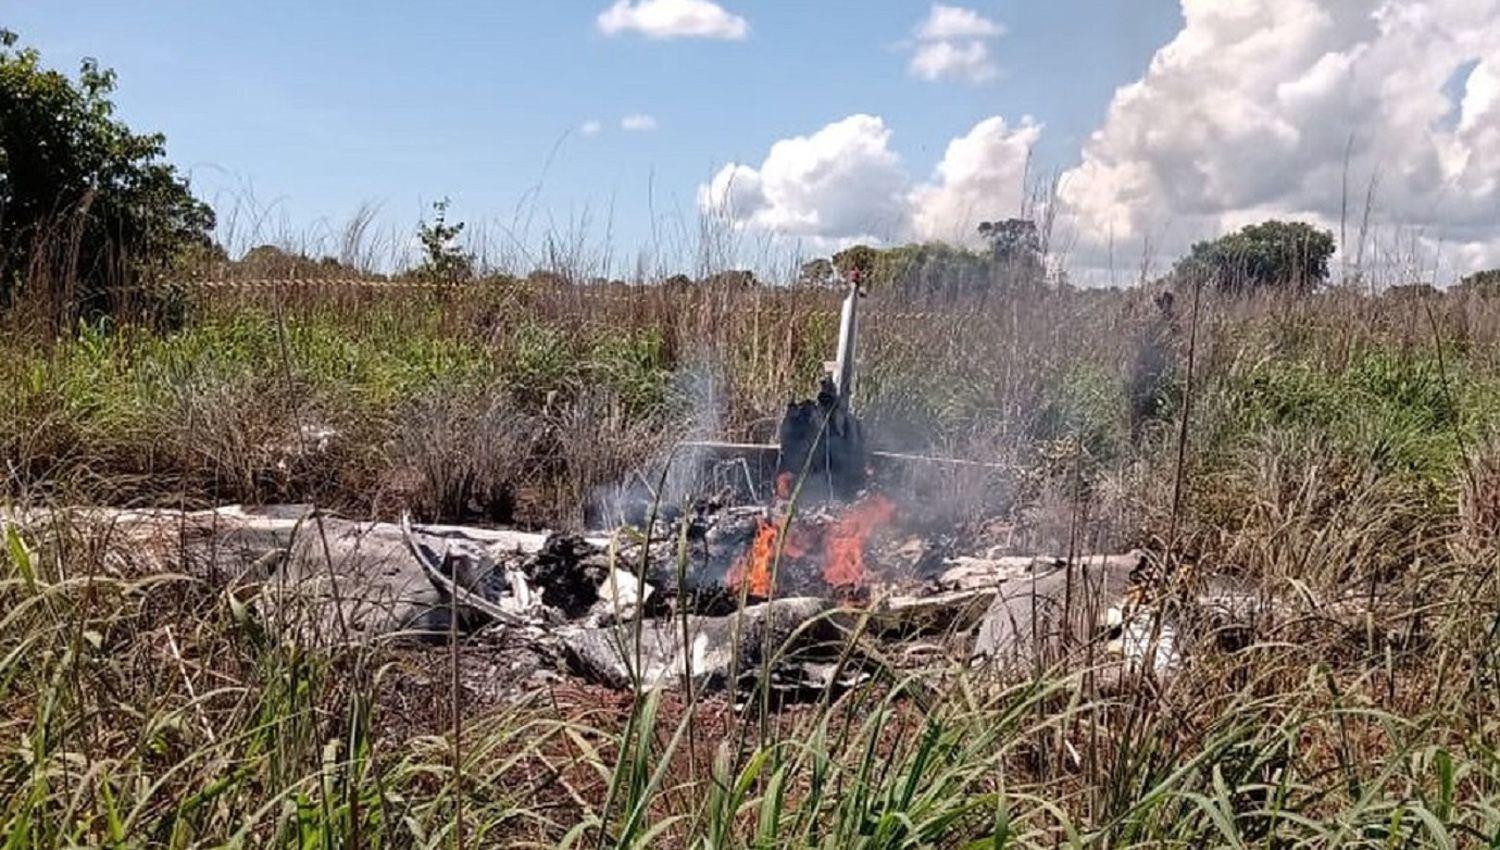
840	548
753	569
844	545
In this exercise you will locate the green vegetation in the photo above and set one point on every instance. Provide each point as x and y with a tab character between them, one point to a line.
1013	262
1335	443
443	261
92	212
1273	253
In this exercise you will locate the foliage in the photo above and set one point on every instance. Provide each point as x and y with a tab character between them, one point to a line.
82	195
1013	260
731	278
1412	291
1016	249
931	268
857	261
270	261
1486	283
443	259
816	272
1325	449
1291	255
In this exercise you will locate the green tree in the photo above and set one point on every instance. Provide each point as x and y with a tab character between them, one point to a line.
1015	252
856	261
929	268
1289	254
87	206
443	261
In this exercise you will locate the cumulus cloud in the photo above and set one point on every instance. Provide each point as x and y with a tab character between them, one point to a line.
969	62
982	177
1256	109
590	127
666	19
953	43
1255	106
844	183
638	122
841	182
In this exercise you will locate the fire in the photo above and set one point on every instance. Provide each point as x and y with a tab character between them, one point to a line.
844	546
753	569
839	547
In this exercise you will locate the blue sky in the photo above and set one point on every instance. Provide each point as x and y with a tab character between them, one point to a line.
320	106
1233	110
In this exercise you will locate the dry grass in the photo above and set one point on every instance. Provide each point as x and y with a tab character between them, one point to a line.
1331	450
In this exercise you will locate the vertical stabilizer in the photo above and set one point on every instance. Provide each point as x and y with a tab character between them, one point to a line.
843	364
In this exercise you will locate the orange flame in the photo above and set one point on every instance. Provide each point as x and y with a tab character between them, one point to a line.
844	547
753	569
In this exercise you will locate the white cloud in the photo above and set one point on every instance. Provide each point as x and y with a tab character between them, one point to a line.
953	43
982	177
948	22
843	183
1252	109
665	19
590	127
1481	95
966	61
638	122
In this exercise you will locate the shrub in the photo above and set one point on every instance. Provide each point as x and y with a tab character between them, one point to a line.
1015	248
443	261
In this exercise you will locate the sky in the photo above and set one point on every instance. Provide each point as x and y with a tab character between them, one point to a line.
641	134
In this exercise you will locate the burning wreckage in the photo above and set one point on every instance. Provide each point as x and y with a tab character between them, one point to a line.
821	584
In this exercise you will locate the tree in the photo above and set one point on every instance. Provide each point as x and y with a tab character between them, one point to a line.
856	262
443	261
271	261
930	268
1485	283
818	272
731	278
1015	250
1012	240
1412	292
1287	254
86	204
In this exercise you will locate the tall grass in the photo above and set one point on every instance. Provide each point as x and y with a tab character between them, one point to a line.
149	709
1335	450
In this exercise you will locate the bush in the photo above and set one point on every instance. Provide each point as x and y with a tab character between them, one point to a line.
443	260
87	206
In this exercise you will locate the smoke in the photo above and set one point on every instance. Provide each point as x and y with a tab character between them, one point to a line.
681	474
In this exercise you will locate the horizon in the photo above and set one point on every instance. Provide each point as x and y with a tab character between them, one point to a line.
646	135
